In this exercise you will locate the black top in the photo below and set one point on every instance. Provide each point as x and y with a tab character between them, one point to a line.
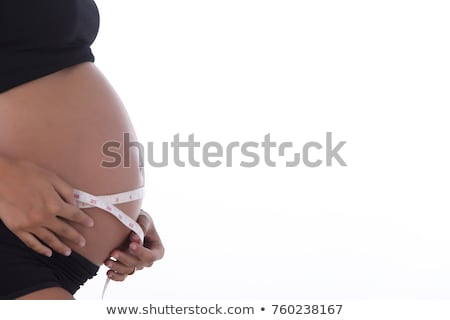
39	37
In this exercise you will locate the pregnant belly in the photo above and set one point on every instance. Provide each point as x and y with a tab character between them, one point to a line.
61	122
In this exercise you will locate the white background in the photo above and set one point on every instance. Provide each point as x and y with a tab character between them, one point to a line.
375	73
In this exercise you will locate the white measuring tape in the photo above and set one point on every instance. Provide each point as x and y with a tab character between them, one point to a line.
86	200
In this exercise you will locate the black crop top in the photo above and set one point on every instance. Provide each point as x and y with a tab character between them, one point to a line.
39	37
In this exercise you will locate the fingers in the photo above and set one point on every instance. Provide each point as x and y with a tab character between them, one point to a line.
63	189
38	204
69	211
138	255
74	214
30	241
47	237
64	230
145	255
119	267
24	234
124	265
128	259
52	241
116	276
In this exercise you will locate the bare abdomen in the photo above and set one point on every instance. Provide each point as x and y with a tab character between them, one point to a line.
61	122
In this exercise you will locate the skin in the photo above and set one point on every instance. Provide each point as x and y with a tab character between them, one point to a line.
136	255
51	134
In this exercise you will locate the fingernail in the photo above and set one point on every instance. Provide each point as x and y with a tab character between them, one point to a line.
91	223
67	252
48	254
82	243
133	246
115	255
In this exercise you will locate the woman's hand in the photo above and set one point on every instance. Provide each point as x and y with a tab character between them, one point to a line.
136	255
36	205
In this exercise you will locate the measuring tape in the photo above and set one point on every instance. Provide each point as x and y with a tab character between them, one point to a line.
86	200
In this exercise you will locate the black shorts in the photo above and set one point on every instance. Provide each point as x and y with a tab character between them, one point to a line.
25	271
